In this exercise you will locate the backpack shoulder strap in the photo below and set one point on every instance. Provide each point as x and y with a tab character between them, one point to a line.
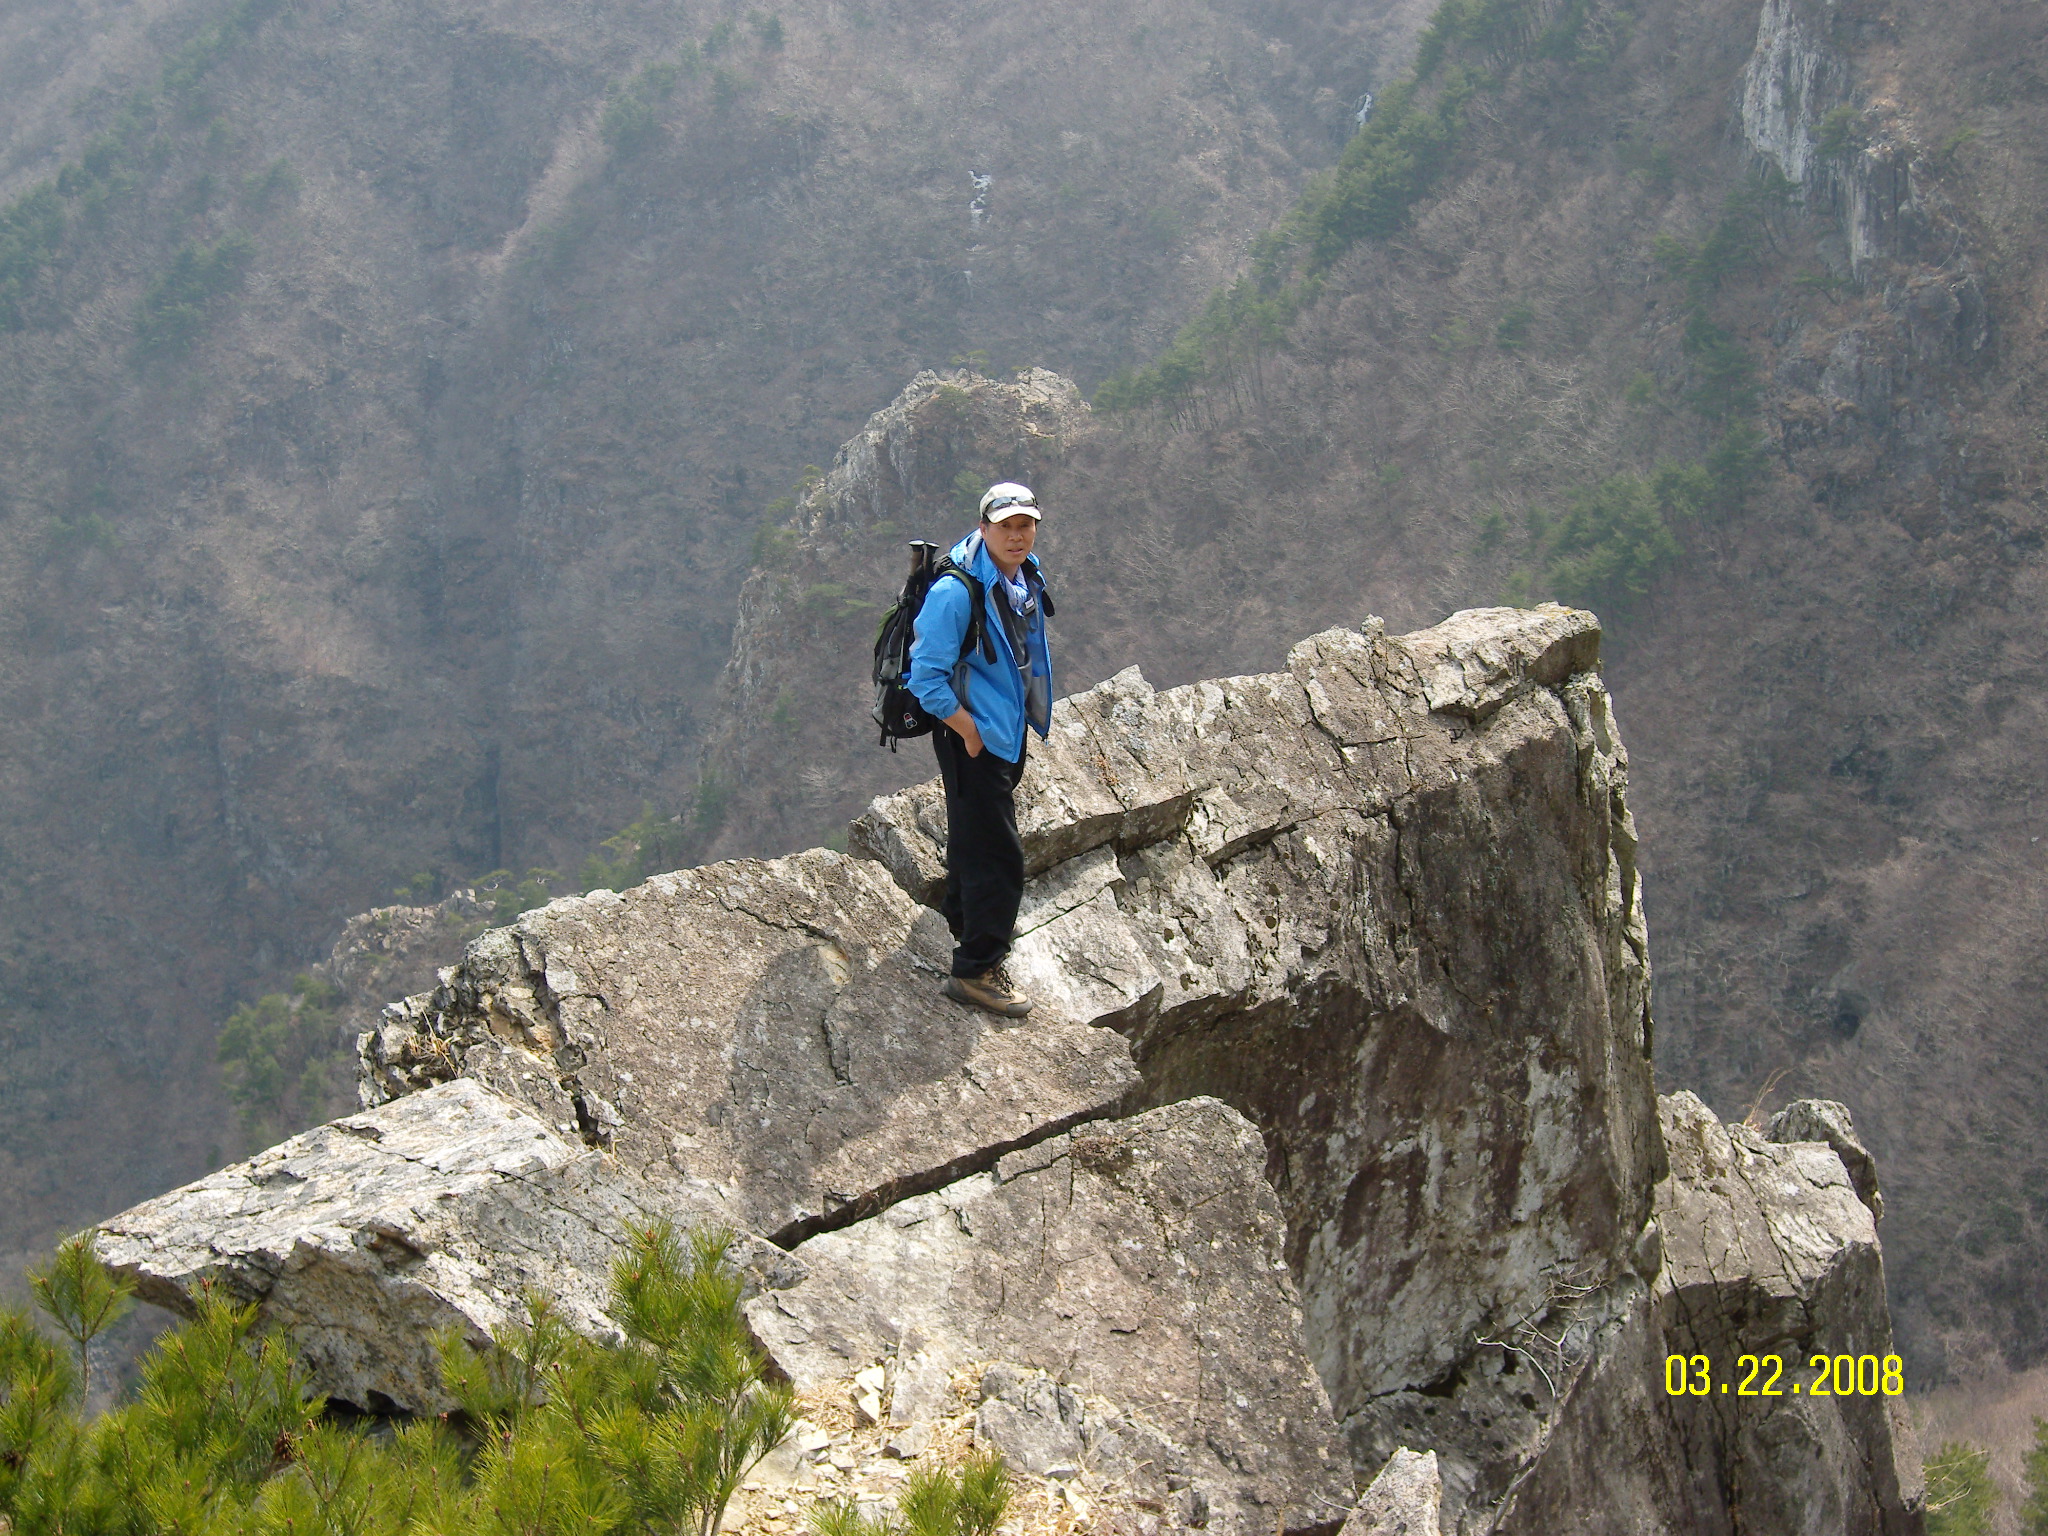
977	622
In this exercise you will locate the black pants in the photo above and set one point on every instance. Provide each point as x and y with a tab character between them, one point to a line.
984	856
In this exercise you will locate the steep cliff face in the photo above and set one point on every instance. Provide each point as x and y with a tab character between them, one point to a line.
1801	219
390	394
1332	1138
1768	1248
1849	149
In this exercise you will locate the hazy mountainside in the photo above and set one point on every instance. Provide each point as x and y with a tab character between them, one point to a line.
390	395
1726	321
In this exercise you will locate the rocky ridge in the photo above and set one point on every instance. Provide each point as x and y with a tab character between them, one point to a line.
1332	1140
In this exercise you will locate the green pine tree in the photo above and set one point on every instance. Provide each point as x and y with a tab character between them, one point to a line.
935	1502
83	1298
2034	1513
1960	1494
557	1434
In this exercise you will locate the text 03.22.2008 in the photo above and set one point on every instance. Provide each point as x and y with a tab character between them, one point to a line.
1764	1376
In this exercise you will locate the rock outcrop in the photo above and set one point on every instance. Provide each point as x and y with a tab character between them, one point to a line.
369	1235
1406	1499
1800	115
1329	1159
1385	904
1770	1249
770	1028
1766	1249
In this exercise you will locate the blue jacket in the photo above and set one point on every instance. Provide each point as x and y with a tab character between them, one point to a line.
995	691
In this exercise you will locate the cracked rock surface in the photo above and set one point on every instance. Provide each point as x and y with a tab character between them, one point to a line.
773	1029
1826	1121
1140	1261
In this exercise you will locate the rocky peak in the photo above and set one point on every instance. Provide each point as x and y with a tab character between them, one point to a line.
913	450
1329	1159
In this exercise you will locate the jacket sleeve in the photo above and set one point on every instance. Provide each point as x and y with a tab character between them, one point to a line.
941	626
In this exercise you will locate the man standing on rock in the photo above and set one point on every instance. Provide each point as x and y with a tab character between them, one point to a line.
983	700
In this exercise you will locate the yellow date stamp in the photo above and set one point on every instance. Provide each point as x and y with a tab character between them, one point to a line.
1765	1376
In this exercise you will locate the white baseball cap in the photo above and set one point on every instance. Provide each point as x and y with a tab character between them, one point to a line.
1007	500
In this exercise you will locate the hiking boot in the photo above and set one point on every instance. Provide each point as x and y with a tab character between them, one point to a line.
990	990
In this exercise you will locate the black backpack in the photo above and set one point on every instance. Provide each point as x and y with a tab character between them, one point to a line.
897	711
